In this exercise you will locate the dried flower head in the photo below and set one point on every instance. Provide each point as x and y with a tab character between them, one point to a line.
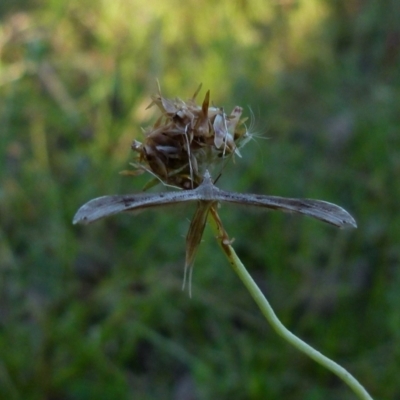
187	139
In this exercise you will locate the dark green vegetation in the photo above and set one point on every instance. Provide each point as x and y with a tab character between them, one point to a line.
97	312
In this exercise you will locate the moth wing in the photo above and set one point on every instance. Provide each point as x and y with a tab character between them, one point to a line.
109	205
321	210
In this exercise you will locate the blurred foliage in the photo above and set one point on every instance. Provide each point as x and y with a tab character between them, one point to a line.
98	311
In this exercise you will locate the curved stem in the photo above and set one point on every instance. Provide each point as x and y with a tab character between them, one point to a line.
271	317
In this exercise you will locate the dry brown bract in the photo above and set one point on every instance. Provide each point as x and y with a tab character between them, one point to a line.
187	139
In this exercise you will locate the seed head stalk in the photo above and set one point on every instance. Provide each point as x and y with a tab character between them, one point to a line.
270	315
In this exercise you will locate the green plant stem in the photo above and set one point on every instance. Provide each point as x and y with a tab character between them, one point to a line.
271	317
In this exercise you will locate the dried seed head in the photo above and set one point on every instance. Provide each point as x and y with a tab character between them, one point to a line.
187	139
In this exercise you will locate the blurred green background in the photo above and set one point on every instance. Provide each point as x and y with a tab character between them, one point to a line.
97	312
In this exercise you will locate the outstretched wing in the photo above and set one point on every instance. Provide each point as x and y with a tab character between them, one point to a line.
110	205
322	210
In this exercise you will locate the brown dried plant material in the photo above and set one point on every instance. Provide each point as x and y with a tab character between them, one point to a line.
187	139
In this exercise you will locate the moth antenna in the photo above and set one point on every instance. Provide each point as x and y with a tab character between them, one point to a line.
217	178
225	162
